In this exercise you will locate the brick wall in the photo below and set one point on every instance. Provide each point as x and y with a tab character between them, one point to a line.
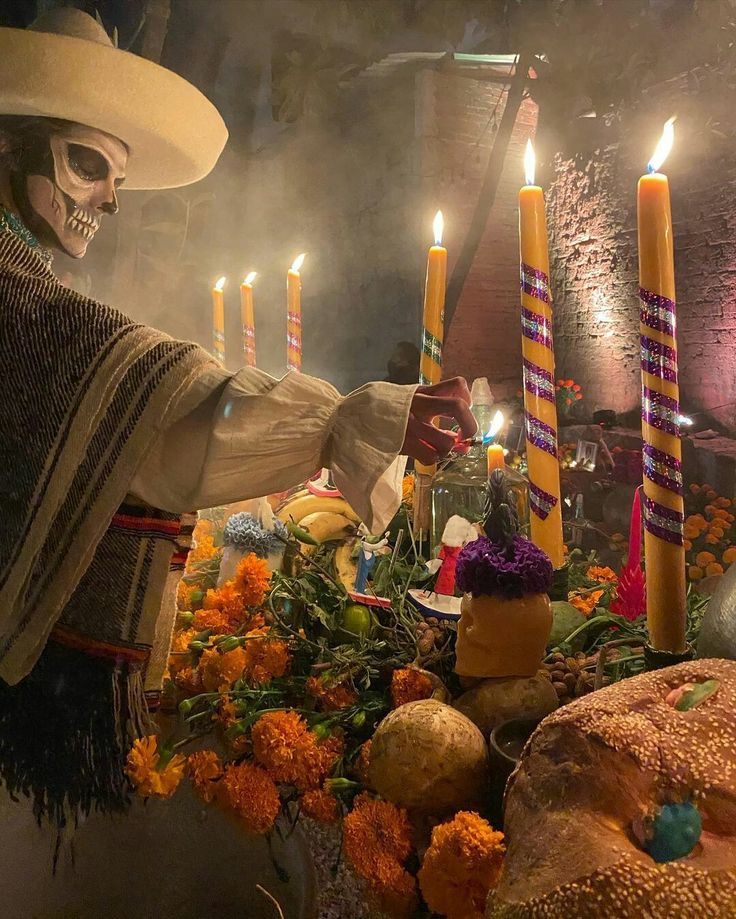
592	221
458	134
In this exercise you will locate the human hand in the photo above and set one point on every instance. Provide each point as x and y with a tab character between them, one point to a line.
426	443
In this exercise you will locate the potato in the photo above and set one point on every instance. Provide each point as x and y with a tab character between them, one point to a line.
429	758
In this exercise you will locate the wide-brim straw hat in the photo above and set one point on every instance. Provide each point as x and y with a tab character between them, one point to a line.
65	66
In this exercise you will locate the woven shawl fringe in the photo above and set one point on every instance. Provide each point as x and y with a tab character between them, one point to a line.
65	731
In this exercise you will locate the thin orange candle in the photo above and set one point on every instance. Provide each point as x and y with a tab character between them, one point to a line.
294	315
540	410
662	504
248	320
218	320
433	317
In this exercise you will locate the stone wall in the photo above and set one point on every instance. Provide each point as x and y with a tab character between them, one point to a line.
592	221
459	130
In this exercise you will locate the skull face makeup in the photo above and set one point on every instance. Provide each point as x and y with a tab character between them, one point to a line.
65	185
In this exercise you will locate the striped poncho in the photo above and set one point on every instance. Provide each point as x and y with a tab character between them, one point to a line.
84	394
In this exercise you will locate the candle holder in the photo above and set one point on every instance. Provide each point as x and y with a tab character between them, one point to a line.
654	659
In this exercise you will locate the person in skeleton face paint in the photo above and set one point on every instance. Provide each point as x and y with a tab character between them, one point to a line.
112	431
63	177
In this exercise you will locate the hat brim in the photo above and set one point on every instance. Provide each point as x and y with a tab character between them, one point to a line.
174	133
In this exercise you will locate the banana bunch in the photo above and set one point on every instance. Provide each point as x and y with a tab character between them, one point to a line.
302	504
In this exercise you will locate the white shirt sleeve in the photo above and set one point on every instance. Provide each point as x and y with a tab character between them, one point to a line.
244	435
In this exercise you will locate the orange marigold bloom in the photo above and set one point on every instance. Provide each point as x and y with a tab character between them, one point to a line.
695	573
409	685
265	657
203	549
285	746
712	539
188	680
251	794
320	805
213	619
230	601
713	570
602	575
720	514
407	490
183	596
585	603
723	502
252	579
396	894
690	531
375	828
331	697
205	770
695	489
143	769
220	671
461	866
729	556
688	545
704	558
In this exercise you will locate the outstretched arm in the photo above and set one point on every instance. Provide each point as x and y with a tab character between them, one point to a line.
245	435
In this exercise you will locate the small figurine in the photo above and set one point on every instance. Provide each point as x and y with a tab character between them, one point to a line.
458	532
370	548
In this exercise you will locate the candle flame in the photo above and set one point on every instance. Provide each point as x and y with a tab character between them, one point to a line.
298	262
250	278
220	283
496	425
663	147
438	225
530	162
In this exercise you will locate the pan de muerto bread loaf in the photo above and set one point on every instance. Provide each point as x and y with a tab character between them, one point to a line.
624	804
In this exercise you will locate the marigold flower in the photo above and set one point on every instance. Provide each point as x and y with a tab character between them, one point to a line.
285	746
252	579
688	545
407	490
695	489
251	794
220	671
265	657
587	602
461	866
231	603
183	596
205	770
188	679
145	772
203	550
320	805
690	531
722	502
395	894
695	573
213	619
602	575
729	556
373	832
712	540
704	558
713	570
720	514
409	685
331	697
710	494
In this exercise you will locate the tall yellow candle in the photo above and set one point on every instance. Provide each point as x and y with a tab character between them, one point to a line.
294	315
540	411
218	320
663	508
248	320
433	317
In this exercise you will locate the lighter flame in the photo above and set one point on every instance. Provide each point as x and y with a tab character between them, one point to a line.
496	425
663	147
438	225
220	284
298	262
250	278
530	161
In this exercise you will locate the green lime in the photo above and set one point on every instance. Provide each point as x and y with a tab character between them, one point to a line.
357	619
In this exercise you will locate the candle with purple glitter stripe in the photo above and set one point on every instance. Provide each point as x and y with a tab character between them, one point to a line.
539	366
662	504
